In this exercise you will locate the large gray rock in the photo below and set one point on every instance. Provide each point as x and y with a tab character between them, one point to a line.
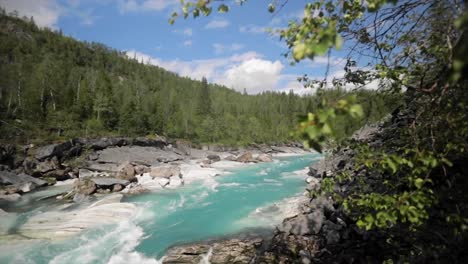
126	171
246	157
48	165
264	158
7	178
103	143
137	155
226	251
165	171
213	158
107	181
52	150
150	142
304	224
85	186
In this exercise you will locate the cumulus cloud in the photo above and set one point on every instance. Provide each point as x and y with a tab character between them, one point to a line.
185	32
253	29
45	12
220	48
217	23
187	43
246	70
255	75
147	5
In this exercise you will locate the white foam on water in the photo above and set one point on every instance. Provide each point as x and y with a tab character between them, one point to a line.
230	184
302	173
272	214
114	247
206	258
262	172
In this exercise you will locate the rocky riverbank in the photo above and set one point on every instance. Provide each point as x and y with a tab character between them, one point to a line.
320	233
85	180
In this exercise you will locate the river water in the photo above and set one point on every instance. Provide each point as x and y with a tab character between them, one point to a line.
248	198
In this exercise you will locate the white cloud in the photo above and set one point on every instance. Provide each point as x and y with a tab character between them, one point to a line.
147	5
255	75
253	29
187	43
45	12
186	32
246	70
217	23
220	48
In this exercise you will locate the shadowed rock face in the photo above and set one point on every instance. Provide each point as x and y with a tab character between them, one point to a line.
226	251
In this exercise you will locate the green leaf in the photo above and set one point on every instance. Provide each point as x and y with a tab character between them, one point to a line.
338	42
418	183
223	8
271	8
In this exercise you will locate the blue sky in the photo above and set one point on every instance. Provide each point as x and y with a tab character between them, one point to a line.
232	49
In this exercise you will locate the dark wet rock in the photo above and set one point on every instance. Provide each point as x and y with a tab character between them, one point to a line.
332	237
59	175
150	142
103	143
7	153
52	150
105	182
225	251
213	158
9	178
29	164
47	165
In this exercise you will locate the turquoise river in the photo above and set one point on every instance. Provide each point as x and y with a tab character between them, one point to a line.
250	198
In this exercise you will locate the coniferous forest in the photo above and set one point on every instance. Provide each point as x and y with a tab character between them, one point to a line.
55	87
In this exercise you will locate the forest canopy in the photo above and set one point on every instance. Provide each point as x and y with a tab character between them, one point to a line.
55	87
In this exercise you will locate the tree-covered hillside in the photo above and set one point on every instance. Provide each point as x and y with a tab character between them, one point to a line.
53	86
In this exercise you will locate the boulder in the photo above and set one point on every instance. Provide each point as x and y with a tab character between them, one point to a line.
29	164
102	143
213	158
10	197
85	173
150	142
246	157
265	158
85	186
117	188
108	181
304	224
7	154
135	188
47	165
231	158
126	171
225	251
52	150
59	175
7	178
165	171
140	169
